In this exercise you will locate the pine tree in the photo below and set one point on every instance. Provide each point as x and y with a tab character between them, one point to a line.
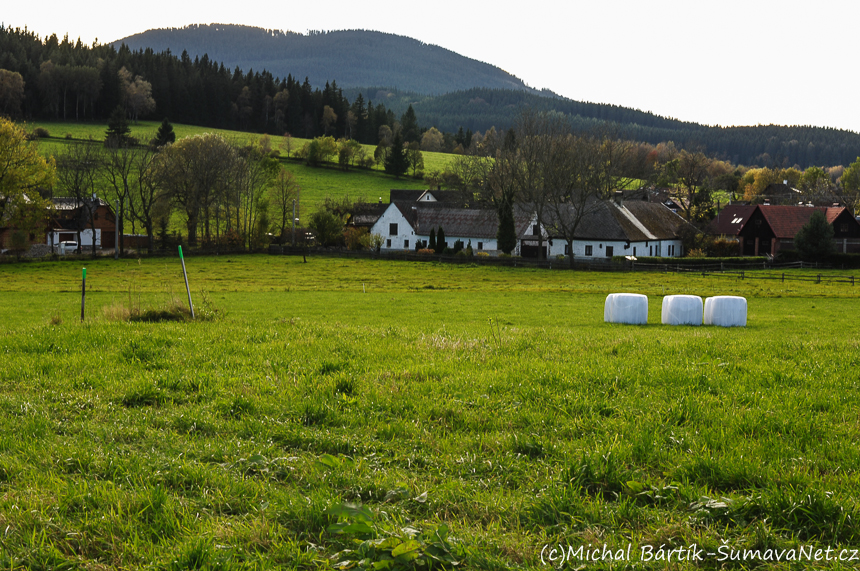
396	162
165	134
409	125
432	244
118	130
507	233
440	241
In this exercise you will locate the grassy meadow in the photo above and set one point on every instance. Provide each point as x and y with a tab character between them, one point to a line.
384	415
316	183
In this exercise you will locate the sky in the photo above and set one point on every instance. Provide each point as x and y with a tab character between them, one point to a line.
734	62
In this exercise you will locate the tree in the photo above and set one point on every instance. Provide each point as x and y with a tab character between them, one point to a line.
165	134
692	173
396	162
815	183
432	243
329	118
814	241
196	173
409	126
23	172
118	131
440	241
282	195
327	227
255	173
147	202
432	140
137	94
116	166
77	169
850	181
506	235
415	158
11	93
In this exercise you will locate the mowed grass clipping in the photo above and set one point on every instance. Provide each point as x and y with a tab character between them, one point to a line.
467	414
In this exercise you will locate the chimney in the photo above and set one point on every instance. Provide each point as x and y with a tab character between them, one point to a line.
619	197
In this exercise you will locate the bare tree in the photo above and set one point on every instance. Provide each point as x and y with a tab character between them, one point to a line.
77	168
282	194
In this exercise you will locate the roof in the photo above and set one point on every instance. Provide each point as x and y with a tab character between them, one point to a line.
633	221
367	214
425	196
731	219
70	203
786	221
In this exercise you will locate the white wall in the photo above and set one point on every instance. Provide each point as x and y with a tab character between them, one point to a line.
86	237
643	249
382	227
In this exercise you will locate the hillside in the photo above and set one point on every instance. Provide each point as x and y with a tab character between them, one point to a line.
479	109
352	58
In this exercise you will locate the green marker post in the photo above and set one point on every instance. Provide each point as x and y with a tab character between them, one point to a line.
187	289
83	294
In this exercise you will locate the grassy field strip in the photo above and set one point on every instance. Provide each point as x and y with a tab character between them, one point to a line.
475	421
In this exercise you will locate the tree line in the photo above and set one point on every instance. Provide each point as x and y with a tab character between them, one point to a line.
61	79
226	193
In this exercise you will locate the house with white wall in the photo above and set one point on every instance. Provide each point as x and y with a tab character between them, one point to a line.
405	223
611	228
622	228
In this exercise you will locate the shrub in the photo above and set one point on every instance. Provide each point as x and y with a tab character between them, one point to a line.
696	253
482	255
356	238
41	133
426	251
69	136
723	248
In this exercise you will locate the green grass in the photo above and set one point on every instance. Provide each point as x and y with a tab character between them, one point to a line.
317	183
493	402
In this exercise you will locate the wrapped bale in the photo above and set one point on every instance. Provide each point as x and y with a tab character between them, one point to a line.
726	311
682	310
629	308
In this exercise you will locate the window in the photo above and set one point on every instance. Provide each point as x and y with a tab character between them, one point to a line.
610	250
480	245
405	244
535	230
566	250
843	227
388	243
392	229
588	250
650	250
634	251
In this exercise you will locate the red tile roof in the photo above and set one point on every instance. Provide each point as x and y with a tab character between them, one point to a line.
786	221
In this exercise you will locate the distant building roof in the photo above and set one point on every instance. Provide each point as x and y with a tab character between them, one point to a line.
731	219
633	220
786	221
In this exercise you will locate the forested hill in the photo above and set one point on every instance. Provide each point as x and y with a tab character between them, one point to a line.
479	109
350	57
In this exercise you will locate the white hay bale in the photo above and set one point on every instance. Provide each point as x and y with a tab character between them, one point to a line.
630	308
682	310
726	311
607	308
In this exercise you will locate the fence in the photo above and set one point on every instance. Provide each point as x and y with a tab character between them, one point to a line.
738	270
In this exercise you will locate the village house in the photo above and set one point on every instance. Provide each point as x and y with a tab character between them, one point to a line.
92	218
612	228
767	229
